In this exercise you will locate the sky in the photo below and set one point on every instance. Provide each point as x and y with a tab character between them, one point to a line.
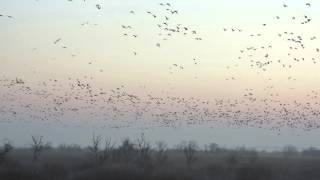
91	46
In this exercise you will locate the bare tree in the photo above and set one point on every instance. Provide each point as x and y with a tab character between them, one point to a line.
37	147
95	147
106	153
161	153
213	147
127	151
190	149
289	151
47	146
7	148
144	151
100	156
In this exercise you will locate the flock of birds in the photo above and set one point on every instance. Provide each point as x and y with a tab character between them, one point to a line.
57	100
167	30
260	56
163	22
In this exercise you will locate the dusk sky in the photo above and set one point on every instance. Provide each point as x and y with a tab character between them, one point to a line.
261	55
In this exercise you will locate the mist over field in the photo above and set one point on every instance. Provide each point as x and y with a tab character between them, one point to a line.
217	89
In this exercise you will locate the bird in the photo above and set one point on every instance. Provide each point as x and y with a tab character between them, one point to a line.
98	6
57	40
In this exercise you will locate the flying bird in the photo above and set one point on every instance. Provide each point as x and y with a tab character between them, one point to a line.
98	6
56	41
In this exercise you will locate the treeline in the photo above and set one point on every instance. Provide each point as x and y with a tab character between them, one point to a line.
141	159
